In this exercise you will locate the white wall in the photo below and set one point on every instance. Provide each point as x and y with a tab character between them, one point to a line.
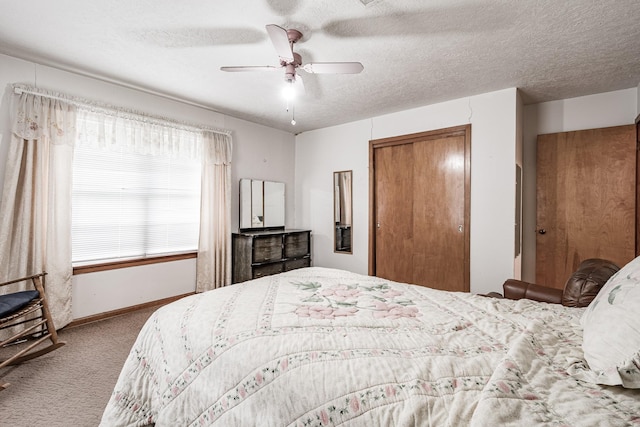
258	152
318	154
493	152
306	164
587	112
517	265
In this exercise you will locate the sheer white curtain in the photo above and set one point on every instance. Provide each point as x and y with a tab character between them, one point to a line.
147	135
35	209
214	249
131	132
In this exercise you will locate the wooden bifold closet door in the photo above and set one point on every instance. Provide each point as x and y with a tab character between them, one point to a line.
419	231
586	200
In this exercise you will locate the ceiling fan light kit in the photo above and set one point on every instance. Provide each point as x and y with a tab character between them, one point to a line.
288	91
283	41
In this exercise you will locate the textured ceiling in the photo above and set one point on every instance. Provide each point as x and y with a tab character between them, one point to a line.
414	52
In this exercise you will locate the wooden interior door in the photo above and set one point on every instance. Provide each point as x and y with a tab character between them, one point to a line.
586	200
420	208
394	212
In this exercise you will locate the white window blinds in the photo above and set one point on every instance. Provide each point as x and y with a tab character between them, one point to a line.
136	189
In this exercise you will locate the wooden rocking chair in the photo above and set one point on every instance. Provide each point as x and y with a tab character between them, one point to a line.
26	307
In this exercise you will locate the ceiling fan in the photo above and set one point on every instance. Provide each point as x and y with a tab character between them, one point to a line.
283	41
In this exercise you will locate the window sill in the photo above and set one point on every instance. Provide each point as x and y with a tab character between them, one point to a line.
131	263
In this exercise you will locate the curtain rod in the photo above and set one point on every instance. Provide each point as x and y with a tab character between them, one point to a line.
82	103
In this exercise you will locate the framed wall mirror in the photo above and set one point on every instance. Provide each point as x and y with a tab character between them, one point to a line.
261	204
343	211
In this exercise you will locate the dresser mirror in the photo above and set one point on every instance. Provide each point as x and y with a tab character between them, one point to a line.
343	215
261	204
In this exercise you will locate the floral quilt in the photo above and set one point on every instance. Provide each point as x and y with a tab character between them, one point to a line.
322	347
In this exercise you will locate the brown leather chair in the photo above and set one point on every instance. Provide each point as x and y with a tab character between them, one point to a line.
581	288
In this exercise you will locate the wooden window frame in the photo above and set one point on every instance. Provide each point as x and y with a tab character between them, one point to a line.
113	265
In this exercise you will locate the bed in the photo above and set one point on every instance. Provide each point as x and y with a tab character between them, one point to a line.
319	347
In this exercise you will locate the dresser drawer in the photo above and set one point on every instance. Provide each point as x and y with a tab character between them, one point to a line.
262	253
296	245
297	263
267	248
267	269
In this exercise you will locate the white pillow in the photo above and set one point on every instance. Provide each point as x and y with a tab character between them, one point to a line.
611	324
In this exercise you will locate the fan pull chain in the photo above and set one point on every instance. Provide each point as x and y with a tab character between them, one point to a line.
293	112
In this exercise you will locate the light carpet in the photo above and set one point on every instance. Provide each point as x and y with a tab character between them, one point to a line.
71	385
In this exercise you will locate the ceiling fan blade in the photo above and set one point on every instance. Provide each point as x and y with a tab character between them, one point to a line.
280	41
299	85
333	67
243	68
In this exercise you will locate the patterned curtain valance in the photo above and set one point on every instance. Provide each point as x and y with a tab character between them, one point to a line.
43	116
106	127
117	133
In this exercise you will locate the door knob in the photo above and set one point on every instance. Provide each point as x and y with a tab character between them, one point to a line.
542	231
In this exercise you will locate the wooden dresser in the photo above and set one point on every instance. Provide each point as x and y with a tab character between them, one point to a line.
262	253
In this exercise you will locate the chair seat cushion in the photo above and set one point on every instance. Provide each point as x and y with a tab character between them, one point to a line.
10	303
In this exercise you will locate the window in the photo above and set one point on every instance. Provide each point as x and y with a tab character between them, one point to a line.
134	194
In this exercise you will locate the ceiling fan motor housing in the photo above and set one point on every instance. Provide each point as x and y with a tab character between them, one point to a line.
294	35
290	68
289	72
297	61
